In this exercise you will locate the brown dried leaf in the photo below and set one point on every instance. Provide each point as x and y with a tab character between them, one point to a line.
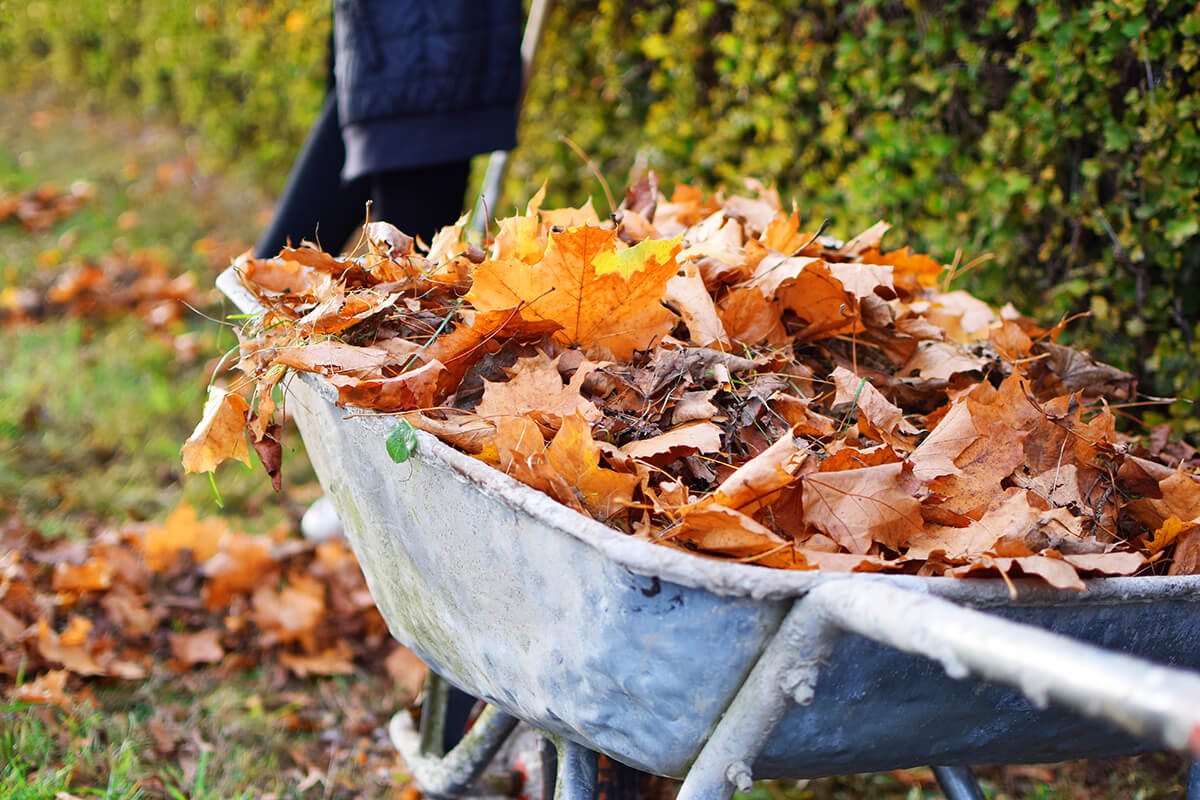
466	344
415	389
868	239
340	312
871	403
936	455
694	406
718	529
1106	563
242	565
334	358
1179	496
200	647
535	389
49	688
859	507
330	661
940	361
756	483
574	456
270	452
749	317
1012	515
819	299
93	575
679	442
688	294
291	614
182	530
408	671
468	432
74	657
1187	554
220	435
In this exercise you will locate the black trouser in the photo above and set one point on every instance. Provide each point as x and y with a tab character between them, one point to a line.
319	206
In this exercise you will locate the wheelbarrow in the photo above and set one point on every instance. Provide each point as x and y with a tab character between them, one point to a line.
721	673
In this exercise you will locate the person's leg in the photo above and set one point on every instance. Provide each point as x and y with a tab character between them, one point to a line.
420	200
316	204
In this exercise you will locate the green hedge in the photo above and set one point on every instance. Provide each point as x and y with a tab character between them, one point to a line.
247	77
1061	137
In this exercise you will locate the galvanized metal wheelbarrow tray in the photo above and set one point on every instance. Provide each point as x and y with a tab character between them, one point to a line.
718	672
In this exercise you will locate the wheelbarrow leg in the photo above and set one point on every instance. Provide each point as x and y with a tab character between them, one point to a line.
451	774
958	783
576	772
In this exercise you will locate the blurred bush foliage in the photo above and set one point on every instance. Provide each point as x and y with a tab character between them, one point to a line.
248	78
1061	137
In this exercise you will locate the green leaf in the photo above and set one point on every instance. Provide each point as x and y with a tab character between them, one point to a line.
1181	230
402	442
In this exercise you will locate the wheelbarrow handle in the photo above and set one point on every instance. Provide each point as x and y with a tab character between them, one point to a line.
486	205
1153	702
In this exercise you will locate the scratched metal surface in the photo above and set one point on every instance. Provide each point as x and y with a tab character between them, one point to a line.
635	650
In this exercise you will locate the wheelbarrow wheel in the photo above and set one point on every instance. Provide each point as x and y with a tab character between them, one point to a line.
617	781
459	709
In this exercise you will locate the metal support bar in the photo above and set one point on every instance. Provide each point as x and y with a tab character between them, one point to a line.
450	775
958	783
1156	703
785	672
489	194
576	772
433	715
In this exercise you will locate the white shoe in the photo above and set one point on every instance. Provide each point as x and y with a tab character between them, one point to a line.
320	523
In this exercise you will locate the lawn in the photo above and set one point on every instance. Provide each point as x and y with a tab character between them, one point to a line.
167	686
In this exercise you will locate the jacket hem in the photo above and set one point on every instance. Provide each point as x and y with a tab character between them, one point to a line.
417	141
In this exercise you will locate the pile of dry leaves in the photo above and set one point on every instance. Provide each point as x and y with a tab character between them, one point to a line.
188	592
118	283
702	373
39	209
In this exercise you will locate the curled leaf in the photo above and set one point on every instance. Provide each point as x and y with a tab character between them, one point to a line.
220	435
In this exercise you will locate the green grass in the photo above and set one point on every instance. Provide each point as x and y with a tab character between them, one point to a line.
92	413
91	421
44	752
224	737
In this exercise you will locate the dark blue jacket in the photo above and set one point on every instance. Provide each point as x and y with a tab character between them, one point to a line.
425	81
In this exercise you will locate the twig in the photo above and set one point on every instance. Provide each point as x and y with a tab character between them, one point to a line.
591	165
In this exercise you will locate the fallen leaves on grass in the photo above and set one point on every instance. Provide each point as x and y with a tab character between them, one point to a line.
39	209
139	283
702	372
186	593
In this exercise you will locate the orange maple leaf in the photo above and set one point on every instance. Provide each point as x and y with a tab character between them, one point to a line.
599	294
916	268
1167	533
575	457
